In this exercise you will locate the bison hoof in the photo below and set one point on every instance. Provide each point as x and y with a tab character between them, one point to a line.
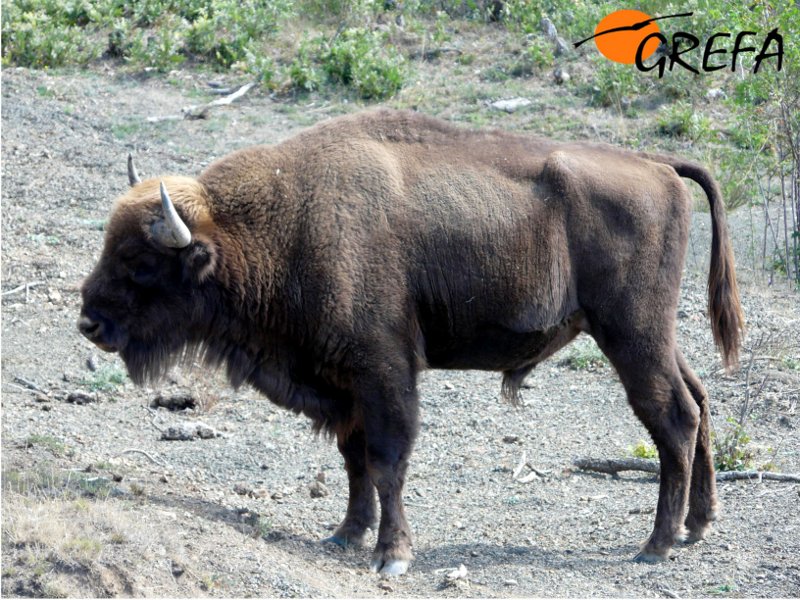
339	541
389	568
697	534
651	557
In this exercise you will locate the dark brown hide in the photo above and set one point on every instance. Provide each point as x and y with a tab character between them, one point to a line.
328	270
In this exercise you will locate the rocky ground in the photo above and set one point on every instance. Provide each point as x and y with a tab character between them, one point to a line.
97	502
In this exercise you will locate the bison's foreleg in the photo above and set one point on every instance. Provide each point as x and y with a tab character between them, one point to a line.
703	492
361	508
390	421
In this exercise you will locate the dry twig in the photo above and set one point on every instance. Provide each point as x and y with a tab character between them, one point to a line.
25	286
614	466
29	384
200	111
145	454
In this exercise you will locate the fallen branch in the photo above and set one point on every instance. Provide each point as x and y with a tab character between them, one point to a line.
25	286
534	472
145	454
613	466
757	476
29	384
201	111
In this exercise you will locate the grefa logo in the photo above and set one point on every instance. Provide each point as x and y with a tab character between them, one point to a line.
632	37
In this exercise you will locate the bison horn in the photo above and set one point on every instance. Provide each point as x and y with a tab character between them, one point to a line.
172	231
133	176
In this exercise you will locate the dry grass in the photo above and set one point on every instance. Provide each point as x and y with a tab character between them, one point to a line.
65	535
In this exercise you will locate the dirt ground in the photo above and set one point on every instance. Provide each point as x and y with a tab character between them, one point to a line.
96	503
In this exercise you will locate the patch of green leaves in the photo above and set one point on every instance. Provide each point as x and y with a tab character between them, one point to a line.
357	58
52	444
732	450
643	450
682	120
584	355
106	379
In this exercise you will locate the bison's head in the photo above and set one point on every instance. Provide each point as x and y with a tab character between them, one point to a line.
148	296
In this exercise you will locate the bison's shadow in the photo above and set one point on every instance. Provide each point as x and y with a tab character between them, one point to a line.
475	556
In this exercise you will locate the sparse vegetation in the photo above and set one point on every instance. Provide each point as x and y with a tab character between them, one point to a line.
449	60
732	449
106	379
643	450
53	445
583	355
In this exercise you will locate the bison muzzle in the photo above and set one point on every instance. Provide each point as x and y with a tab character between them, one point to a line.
328	270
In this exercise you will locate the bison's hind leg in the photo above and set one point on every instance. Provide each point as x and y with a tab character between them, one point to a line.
361	508
703	504
660	398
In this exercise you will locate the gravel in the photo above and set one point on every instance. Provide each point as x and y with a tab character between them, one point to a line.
235	505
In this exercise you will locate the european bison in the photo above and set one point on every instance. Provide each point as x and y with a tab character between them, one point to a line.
328	270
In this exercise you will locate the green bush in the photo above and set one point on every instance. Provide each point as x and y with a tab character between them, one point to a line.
358	58
732	451
643	450
683	121
42	34
151	33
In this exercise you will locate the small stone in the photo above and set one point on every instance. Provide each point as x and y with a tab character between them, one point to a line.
560	75
385	586
548	28
53	295
81	398
459	573
91	363
448	386
510	439
242	489
183	432
562	47
510	105
510	582
320	477
317	489
204	432
177	569
174	402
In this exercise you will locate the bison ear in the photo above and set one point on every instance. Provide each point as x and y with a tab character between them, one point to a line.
199	260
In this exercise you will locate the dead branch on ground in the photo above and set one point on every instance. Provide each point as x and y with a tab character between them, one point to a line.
200	111
613	467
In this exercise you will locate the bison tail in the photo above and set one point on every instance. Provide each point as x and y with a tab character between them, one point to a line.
724	308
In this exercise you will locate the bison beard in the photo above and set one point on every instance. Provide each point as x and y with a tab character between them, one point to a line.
329	270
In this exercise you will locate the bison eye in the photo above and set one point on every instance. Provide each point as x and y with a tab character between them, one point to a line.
142	270
144	275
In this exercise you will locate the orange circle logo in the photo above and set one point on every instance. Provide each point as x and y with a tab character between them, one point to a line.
619	35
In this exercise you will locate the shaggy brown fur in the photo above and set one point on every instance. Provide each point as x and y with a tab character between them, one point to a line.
328	270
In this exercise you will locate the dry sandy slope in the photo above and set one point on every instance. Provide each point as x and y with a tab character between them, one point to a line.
180	527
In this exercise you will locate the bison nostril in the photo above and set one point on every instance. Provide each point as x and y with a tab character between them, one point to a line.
88	327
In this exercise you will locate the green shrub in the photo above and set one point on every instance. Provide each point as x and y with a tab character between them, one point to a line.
683	121
732	451
39	36
358	58
643	450
304	71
